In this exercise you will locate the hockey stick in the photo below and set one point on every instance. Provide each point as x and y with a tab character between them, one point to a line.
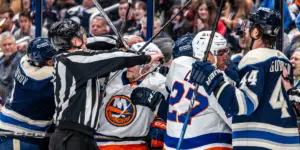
48	135
109	22
123	25
197	86
164	26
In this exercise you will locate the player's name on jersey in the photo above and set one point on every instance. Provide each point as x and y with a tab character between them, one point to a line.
277	65
20	77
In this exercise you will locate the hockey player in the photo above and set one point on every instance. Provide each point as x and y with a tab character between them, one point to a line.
263	116
127	115
30	109
208	128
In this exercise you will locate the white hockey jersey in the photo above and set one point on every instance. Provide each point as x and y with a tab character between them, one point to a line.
122	119
206	129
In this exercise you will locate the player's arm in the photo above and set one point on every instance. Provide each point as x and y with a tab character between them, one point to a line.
235	101
98	64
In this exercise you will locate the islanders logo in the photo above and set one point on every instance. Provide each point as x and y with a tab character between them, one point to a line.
120	111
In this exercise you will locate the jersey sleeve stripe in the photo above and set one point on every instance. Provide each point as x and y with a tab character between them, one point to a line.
256	143
241	102
265	127
265	135
202	140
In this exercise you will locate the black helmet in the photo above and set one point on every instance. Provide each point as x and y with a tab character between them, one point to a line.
62	32
269	20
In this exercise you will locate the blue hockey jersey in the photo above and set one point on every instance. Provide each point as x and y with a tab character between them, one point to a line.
31	106
263	116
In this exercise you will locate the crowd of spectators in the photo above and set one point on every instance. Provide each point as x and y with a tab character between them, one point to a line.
18	26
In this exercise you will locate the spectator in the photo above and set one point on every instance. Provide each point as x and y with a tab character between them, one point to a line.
14	5
131	25
140	11
176	23
82	13
8	63
99	26
156	28
7	14
235	11
207	13
50	14
26	27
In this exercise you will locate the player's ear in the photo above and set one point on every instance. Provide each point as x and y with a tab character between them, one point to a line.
49	62
255	33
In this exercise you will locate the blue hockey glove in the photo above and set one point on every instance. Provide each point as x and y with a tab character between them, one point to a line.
233	75
164	70
205	74
146	97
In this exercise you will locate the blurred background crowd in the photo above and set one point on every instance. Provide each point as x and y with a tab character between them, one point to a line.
17	25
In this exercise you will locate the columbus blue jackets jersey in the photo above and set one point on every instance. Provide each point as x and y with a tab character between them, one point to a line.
263	116
208	127
31	106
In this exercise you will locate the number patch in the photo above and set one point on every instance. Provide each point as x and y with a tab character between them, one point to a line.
181	100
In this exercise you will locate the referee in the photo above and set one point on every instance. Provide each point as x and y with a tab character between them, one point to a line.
79	75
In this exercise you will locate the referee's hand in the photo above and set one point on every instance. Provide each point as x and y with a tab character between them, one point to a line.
155	57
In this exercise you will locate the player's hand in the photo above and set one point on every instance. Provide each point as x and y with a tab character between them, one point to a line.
232	75
205	74
146	97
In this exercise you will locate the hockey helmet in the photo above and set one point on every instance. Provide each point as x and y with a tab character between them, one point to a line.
62	32
148	49
269	20
200	43
39	51
183	46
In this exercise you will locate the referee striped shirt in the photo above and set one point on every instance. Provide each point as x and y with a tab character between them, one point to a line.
78	78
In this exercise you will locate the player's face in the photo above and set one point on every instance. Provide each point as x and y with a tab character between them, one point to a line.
133	73
295	60
203	12
222	57
211	58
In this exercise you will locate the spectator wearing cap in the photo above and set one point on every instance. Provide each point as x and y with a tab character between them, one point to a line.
26	27
7	14
8	63
99	26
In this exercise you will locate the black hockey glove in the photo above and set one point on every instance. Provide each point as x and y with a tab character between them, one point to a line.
163	70
146	97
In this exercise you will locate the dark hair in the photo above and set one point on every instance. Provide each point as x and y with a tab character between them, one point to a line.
4	10
123	2
170	12
211	8
26	13
142	5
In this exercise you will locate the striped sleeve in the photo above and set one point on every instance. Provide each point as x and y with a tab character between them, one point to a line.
98	64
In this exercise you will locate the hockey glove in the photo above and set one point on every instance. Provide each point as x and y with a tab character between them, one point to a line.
163	70
205	74
233	76
146	97
156	134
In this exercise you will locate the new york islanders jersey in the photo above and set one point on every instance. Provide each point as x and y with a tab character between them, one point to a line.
31	106
121	118
263	116
206	129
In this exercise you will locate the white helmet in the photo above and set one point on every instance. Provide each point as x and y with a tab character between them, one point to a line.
200	43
